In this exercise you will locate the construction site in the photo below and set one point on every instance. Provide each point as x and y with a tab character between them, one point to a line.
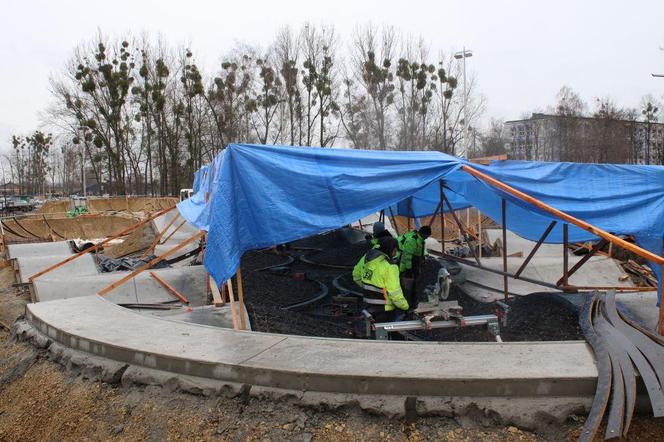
236	313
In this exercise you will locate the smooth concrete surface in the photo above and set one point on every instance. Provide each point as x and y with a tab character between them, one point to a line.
38	249
181	234
30	265
316	364
143	289
597	271
204	315
516	244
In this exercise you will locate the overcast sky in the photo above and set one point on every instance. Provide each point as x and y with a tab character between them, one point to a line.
524	50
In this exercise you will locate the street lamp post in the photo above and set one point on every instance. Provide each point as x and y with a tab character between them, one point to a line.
463	55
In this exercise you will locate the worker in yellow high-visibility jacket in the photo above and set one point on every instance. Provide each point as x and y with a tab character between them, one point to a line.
379	279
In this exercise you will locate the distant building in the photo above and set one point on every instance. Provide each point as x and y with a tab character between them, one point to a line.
10	189
545	137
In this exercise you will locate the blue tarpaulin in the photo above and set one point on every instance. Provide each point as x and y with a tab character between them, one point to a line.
266	195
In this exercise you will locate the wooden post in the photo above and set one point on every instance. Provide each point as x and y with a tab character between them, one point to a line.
394	222
565	278
479	233
565	217
410	210
172	290
231	296
151	263
96	246
217	300
504	210
442	217
660	325
240	294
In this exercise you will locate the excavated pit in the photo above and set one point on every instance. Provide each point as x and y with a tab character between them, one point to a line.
298	268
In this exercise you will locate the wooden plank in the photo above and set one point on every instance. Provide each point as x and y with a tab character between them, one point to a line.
566	217
172	290
175	230
151	263
231	297
240	294
96	246
158	236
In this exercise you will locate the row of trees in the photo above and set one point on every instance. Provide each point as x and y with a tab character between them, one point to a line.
143	116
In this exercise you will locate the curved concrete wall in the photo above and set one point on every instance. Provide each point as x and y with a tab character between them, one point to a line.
543	369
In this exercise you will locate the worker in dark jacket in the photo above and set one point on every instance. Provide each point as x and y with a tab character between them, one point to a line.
412	251
379	231
379	279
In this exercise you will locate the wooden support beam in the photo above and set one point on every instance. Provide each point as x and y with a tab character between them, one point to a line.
565	278
594	288
410	210
231	296
175	230
217	300
461	229
158	236
442	217
98	245
151	263
240	294
504	213
566	217
534	250
172	290
601	243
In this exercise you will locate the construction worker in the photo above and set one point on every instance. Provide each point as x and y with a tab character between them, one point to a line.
412	252
379	279
379	231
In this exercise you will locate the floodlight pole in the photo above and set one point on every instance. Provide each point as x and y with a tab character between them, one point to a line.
463	55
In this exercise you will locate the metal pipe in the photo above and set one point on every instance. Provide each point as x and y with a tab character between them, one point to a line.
416	324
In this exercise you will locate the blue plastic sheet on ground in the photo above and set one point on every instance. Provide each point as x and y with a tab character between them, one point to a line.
266	195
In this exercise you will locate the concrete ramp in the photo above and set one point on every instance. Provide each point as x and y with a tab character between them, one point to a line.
30	265
58	248
189	281
542	377
174	235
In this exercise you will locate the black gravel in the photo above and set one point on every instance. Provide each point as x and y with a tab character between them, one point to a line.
540	317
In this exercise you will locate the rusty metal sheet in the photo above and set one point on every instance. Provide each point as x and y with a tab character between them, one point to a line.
603	363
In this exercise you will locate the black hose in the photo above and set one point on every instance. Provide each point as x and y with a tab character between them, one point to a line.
288	261
337	285
306	260
29	232
317	297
